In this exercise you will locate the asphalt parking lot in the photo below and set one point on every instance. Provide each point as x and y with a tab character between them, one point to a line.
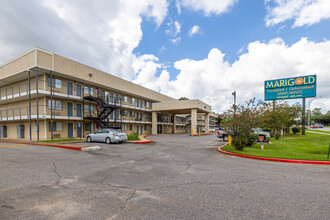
177	177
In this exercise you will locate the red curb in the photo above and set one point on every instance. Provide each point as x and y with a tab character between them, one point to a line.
274	159
144	142
48	145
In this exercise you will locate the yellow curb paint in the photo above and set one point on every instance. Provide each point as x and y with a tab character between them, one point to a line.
17	145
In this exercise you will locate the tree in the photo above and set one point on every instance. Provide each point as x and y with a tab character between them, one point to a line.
323	119
240	125
183	98
316	112
282	118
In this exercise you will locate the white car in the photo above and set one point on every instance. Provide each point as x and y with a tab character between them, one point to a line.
107	135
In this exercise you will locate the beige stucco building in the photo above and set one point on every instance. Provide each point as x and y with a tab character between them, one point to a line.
40	87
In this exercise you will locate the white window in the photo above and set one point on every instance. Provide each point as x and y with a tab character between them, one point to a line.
86	89
57	105
89	108
124	127
57	126
57	83
89	127
133	101
125	99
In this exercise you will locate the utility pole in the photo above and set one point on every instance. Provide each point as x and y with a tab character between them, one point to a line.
303	121
234	94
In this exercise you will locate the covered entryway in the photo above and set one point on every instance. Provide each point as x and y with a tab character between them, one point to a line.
192	107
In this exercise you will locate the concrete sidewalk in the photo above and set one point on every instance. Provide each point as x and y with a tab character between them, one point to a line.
66	144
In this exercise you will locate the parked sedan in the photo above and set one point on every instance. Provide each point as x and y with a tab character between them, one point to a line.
107	135
320	125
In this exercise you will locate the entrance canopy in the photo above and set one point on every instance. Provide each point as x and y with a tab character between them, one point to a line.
181	107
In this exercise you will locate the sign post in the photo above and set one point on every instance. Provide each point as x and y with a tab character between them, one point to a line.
79	126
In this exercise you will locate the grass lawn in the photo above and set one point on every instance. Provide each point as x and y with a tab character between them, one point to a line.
312	146
61	140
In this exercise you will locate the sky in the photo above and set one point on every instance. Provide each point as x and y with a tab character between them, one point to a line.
199	49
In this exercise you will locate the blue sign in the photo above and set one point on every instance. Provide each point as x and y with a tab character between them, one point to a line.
291	88
79	124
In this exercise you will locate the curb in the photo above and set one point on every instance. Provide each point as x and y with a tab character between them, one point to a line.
144	142
48	145
274	159
200	135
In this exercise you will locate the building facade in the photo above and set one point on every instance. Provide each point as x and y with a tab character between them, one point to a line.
44	96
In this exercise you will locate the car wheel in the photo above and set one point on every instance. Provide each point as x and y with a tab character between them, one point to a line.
108	140
261	138
225	138
89	139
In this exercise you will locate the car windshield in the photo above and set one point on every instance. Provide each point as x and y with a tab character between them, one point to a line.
116	131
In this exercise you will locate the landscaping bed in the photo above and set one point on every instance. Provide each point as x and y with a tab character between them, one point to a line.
312	146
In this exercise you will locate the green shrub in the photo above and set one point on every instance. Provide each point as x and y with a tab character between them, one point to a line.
295	130
252	139
133	137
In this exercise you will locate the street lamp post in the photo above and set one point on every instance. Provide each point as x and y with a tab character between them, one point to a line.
234	94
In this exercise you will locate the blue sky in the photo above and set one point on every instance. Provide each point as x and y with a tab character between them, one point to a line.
236	44
231	32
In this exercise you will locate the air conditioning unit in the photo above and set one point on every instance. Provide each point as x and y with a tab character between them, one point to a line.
56	135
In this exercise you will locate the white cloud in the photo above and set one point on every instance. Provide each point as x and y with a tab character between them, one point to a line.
102	34
322	103
194	30
177	27
174	29
176	40
213	79
178	6
207	6
304	12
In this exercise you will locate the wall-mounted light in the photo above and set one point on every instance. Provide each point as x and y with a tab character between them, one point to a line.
90	74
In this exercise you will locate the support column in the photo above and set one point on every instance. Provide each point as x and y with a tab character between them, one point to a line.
37	96
207	122
154	123
51	106
174	123
29	82
194	121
